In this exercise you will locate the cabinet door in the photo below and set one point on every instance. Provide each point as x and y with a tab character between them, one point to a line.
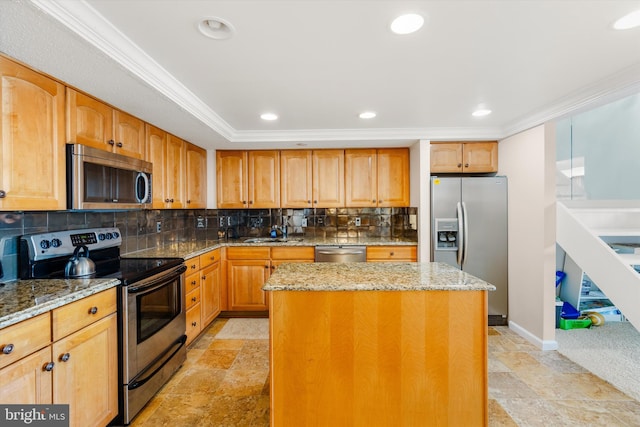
174	173
480	157
245	280
32	151
157	154
88	379
328	179
295	178
89	121
391	254
361	178
196	176
264	179
27	381
446	157
393	177
128	134
231	179
210	289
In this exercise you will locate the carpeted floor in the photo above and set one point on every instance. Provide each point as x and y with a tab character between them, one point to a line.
610	351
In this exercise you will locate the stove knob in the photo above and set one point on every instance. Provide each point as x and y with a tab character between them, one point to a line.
44	244
115	234
109	236
101	236
56	243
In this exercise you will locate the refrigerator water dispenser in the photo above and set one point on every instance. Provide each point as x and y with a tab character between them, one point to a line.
446	234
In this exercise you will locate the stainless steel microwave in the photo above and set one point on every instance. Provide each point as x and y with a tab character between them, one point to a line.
98	179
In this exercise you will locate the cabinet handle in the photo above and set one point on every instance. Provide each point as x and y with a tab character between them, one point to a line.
188	201
171	200
459	165
309	201
49	366
194	324
373	201
193	283
204	277
380	201
250	202
119	144
93	310
466	165
193	266
3	194
111	142
315	201
194	299
244	202
266	267
391	254
65	357
7	349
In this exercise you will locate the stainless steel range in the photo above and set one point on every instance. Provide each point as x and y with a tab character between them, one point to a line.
151	309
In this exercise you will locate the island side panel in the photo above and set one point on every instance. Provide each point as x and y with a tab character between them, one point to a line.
378	358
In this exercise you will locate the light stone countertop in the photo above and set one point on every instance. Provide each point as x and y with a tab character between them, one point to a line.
23	299
192	249
382	276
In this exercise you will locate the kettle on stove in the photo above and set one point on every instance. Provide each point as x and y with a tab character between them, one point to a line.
80	265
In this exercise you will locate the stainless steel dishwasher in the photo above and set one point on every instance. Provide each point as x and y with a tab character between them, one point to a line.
341	253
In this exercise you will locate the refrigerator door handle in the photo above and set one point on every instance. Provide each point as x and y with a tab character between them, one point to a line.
465	242
461	234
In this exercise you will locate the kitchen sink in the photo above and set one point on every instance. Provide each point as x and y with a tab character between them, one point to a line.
272	239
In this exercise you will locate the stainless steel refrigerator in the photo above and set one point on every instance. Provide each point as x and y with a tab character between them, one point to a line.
469	231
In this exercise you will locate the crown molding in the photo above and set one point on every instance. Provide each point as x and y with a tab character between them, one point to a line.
86	22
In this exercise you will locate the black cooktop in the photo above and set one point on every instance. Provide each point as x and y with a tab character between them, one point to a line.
136	269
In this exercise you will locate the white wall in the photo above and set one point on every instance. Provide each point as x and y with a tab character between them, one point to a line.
211	180
528	161
419	161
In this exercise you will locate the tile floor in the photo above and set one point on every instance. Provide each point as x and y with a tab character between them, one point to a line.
225	383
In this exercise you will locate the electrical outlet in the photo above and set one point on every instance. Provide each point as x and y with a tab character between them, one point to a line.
200	222
158	227
221	221
229	221
358	222
304	222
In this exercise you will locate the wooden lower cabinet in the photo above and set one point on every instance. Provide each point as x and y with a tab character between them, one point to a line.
378	358
79	367
202	292
392	254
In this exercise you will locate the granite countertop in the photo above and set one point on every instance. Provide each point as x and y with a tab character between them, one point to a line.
384	276
23	299
192	249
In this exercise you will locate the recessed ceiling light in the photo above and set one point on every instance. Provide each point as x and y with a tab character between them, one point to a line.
216	28
367	115
407	24
481	112
628	21
269	116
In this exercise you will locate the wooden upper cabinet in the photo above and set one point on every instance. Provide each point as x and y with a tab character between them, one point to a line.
377	178
360	178
196	176
94	123
174	173
328	179
464	157
32	150
264	179
393	177
128	134
231	179
295	178
156	145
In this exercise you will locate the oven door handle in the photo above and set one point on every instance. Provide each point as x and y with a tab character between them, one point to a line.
140	382
157	283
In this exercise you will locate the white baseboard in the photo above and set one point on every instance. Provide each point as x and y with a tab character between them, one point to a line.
541	344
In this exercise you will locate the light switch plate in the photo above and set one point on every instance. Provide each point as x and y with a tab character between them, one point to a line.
304	222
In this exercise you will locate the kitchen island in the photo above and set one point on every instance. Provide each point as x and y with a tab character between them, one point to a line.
377	345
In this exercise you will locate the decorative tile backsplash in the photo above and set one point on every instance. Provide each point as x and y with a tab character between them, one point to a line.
143	229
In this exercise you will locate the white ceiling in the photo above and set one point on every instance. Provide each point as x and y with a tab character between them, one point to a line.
318	64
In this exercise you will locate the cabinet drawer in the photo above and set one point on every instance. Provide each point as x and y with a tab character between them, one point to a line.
293	252
391	253
193	265
248	253
25	337
209	258
191	282
78	314
192	298
193	322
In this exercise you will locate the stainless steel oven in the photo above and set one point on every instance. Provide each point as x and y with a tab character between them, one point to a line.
151	307
153	336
